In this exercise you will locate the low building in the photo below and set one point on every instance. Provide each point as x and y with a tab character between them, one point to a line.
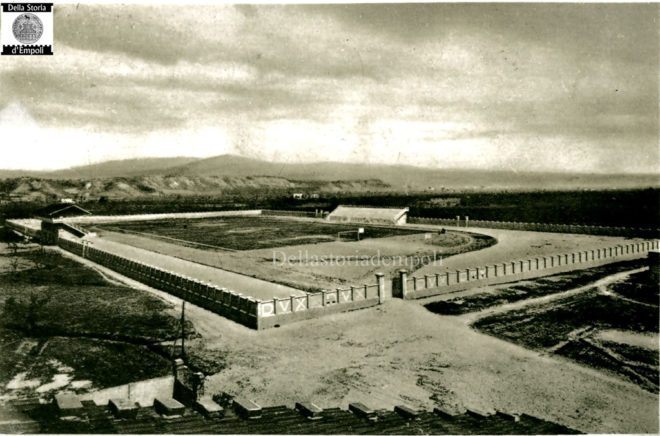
369	215
52	220
57	211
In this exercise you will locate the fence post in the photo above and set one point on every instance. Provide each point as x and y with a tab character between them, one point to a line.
380	279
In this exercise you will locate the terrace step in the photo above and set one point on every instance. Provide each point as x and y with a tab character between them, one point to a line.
209	408
246	408
309	410
123	408
168	406
359	409
68	404
406	412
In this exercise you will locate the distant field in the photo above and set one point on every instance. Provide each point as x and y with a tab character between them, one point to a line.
249	233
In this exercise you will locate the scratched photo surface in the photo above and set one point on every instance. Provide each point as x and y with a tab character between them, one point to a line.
436	218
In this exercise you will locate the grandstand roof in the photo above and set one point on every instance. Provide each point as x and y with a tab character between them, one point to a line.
60	210
367	214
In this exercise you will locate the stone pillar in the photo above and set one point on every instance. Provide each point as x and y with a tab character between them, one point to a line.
179	369
403	282
380	279
198	380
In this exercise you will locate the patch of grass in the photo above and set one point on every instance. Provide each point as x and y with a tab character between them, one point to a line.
637	371
52	269
633	353
529	289
563	326
639	287
544	326
106	332
248	233
99	360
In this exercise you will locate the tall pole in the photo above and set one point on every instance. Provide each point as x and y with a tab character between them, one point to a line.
183	324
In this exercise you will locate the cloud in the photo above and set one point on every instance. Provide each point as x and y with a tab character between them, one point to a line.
488	86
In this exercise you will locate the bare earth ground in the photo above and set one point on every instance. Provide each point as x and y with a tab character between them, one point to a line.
401	353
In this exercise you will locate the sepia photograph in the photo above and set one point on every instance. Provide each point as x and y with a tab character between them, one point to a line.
343	218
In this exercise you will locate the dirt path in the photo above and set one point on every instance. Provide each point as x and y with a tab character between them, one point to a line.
601	285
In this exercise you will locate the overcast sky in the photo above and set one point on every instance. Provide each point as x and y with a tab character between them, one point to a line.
523	87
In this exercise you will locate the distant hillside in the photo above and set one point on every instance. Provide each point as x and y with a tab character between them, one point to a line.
41	189
401	178
113	168
407	177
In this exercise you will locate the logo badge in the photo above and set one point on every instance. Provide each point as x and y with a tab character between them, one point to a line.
27	29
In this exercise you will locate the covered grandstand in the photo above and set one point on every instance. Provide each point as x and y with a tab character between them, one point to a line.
369	215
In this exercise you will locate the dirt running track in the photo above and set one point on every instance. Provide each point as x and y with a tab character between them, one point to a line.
254	287
517	244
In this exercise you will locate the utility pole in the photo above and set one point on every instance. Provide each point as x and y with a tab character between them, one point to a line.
183	324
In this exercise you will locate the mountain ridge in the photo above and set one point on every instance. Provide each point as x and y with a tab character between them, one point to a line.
399	177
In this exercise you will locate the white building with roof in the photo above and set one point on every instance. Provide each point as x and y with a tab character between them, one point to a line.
369	215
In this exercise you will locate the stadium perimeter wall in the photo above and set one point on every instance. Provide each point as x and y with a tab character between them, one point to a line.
441	283
542	227
23	227
98	219
251	312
